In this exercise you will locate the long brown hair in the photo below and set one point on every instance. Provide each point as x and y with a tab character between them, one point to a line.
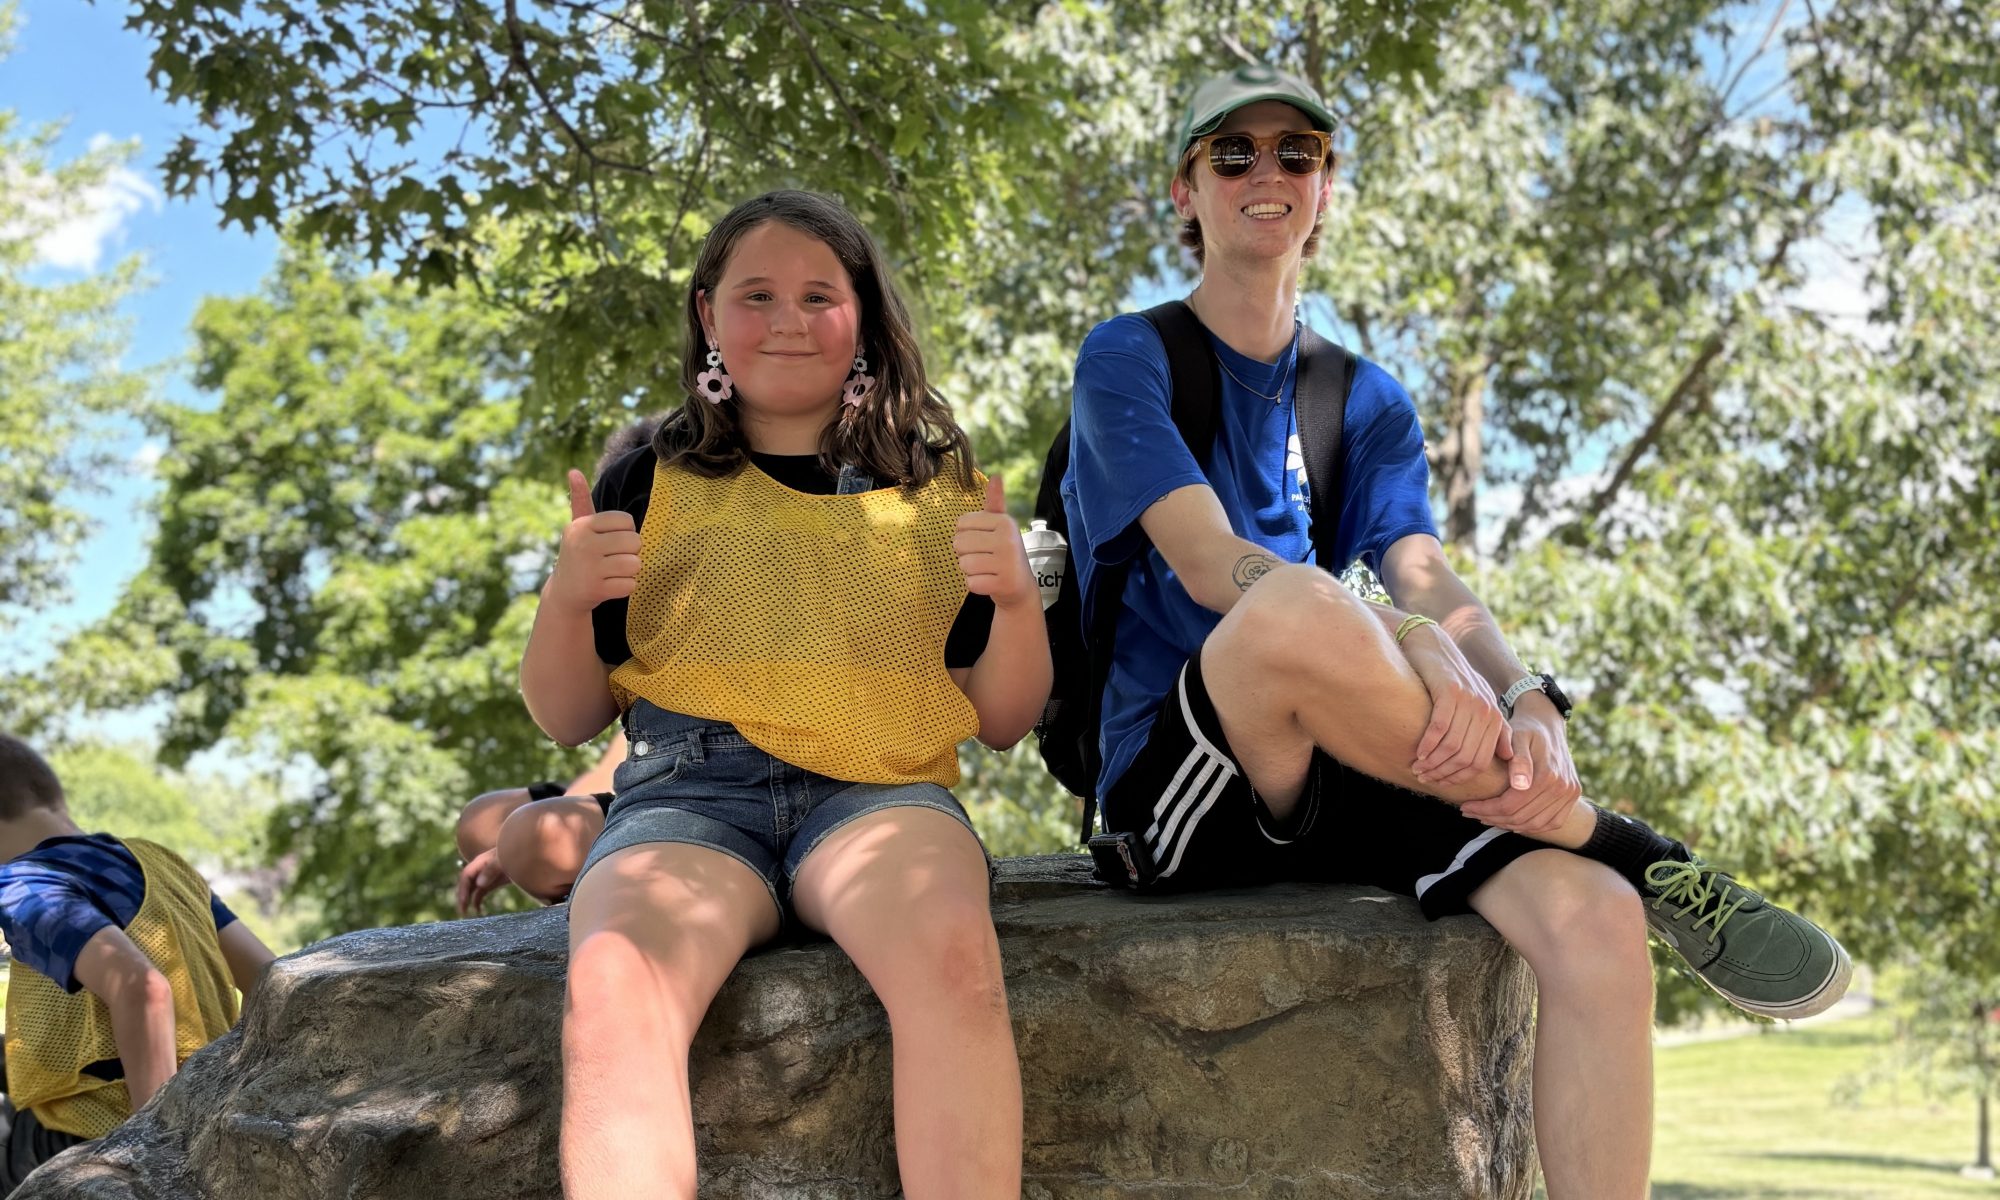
903	431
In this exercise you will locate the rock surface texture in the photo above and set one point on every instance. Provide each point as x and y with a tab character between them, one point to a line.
1290	1041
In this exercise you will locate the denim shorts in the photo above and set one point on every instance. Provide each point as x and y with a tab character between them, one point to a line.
697	781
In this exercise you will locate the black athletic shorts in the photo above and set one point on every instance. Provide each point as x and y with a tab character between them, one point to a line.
1204	825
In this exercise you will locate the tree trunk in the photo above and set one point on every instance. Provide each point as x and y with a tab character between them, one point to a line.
1985	1161
1461	455
1983	1015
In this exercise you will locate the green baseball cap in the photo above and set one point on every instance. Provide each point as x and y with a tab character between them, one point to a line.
1247	84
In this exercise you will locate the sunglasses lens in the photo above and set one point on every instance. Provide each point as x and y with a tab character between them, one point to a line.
1300	153
1231	156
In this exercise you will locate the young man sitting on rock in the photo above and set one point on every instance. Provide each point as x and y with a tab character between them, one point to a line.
124	964
1261	722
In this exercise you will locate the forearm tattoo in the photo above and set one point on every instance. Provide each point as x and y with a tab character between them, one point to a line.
1250	568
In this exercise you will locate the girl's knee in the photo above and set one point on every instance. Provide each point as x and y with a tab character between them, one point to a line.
948	957
607	971
617	984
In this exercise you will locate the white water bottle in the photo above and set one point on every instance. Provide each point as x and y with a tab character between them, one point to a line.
1048	558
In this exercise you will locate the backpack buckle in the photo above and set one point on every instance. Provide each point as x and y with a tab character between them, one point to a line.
1121	860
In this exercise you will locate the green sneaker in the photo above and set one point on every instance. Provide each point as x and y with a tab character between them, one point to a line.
1756	955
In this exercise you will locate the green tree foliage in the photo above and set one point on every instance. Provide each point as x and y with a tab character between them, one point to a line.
1758	539
570	155
343	576
1770	593
1948	1038
59	373
122	790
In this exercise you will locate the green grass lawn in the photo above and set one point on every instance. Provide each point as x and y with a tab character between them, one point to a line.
1754	1118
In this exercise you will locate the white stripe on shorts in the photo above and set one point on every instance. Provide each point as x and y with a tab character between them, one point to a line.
1185	803
1465	854
1194	758
1222	779
1190	794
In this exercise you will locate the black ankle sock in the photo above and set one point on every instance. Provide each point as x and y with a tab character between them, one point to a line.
1628	845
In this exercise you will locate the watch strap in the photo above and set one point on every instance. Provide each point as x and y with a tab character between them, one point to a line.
1522	686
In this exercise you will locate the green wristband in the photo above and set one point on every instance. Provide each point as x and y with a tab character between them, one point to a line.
1410	623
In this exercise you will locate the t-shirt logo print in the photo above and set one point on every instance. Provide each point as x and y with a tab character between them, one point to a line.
1295	462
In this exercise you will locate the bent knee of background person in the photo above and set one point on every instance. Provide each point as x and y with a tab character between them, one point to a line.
479	822
543	845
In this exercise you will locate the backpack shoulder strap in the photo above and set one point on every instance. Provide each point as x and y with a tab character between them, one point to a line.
1194	393
1326	376
1048	497
1194	388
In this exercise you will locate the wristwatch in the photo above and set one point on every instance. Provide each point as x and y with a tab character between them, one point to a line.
1544	683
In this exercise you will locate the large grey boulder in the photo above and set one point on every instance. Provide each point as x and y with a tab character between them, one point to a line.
1289	1041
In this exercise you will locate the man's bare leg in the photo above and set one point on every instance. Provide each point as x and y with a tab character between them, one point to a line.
1300	662
1581	929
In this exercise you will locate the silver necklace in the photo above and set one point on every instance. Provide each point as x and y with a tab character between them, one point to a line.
1279	395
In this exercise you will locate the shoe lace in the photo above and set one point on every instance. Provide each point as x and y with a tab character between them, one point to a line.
1696	886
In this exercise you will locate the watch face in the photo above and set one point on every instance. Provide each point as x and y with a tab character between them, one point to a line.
1556	695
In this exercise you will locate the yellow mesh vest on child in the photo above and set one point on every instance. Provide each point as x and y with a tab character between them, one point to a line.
814	624
52	1035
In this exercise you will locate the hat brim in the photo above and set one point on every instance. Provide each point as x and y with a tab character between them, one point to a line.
1321	118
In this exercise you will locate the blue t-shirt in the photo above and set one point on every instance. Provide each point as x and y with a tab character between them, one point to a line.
57	896
1125	454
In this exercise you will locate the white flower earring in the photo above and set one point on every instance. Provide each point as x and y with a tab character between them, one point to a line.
859	384
715	383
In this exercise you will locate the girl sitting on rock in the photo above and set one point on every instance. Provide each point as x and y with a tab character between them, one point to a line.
799	599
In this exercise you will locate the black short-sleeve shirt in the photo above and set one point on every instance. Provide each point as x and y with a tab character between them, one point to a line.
627	486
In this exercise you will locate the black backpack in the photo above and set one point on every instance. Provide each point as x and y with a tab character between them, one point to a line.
1068	728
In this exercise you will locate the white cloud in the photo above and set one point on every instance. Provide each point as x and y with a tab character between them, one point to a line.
147	457
93	222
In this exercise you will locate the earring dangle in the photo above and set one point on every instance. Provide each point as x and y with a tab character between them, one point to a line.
859	384
715	383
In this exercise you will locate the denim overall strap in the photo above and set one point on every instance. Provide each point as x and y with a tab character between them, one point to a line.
853	481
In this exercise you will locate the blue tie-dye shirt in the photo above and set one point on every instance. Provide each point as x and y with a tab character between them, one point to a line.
57	896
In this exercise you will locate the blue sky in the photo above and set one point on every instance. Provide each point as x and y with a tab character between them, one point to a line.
76	64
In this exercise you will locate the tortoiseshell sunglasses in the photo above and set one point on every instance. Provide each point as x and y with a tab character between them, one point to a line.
1234	155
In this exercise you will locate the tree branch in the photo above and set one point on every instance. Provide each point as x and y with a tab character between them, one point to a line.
1690	383
1722	100
790	9
1685	388
517	60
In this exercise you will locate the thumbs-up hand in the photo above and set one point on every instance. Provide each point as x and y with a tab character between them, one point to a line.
599	559
990	553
